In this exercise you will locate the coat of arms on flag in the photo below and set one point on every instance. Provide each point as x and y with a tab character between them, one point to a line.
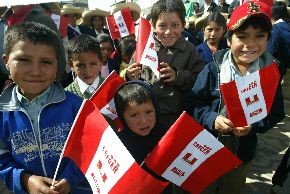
249	99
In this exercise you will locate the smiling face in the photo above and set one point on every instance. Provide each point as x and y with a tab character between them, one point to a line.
168	28
87	66
32	67
246	46
213	33
140	118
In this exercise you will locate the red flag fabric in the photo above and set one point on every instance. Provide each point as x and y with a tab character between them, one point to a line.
121	24
109	169
193	158
61	22
103	98
249	99
145	47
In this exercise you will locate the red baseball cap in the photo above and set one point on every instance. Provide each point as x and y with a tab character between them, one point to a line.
249	9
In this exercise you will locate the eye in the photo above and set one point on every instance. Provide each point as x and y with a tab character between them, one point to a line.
133	115
262	35
80	65
47	62
175	26
162	26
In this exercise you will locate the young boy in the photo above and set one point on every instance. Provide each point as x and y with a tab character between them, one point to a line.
179	60
249	29
34	127
84	56
137	110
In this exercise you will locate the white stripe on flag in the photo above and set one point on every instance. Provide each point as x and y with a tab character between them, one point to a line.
109	164
56	19
110	110
121	24
251	97
195	153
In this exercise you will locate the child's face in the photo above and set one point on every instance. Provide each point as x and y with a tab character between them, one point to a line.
140	118
97	22
32	67
87	66
213	33
168	28
107	49
248	45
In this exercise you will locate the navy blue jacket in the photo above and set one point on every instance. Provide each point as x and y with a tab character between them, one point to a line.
205	104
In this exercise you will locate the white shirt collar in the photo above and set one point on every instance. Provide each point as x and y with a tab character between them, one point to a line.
83	86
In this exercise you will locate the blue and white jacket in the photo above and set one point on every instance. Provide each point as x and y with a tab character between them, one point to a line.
19	150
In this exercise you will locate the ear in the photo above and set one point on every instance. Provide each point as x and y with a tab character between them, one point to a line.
71	64
5	60
228	42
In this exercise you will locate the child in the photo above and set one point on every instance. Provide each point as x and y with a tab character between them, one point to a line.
107	48
179	61
214	27
84	57
34	127
137	109
126	48
249	30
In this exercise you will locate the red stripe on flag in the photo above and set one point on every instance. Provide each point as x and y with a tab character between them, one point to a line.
143	35
233	104
270	78
210	170
86	134
107	90
169	140
128	20
134	181
63	26
113	27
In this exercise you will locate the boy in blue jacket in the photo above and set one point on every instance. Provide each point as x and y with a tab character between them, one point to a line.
249	29
36	115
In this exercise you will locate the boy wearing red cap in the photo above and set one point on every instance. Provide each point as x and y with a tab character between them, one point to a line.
248	32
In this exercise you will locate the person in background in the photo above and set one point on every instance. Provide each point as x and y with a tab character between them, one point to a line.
233	6
107	49
190	32
249	29
208	6
279	42
84	57
73	14
223	7
214	27
96	20
34	127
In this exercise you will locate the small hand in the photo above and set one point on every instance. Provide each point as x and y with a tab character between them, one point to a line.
134	71
223	124
167	72
62	187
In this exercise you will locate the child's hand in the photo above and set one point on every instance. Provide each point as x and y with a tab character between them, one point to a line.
62	187
167	73
223	124
134	71
37	184
241	131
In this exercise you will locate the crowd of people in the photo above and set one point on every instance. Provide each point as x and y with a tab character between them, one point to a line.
47	71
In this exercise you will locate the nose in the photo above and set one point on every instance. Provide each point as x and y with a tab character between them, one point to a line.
36	68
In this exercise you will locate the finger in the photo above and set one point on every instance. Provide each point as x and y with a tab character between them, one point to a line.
229	122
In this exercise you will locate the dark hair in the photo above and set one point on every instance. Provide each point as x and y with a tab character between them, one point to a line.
30	32
167	6
82	44
255	22
279	11
127	47
131	93
101	38
217	18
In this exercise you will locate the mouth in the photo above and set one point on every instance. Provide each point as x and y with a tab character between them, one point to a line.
248	52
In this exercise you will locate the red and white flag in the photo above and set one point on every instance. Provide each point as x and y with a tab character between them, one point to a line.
145	47
249	99
103	98
99	153
196	158
61	22
121	24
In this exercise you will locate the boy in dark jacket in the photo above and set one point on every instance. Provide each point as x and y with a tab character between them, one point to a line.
249	29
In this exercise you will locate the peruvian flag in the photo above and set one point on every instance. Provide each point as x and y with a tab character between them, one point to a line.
61	22
121	24
99	153
249	99
195	159
103	98
145	47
